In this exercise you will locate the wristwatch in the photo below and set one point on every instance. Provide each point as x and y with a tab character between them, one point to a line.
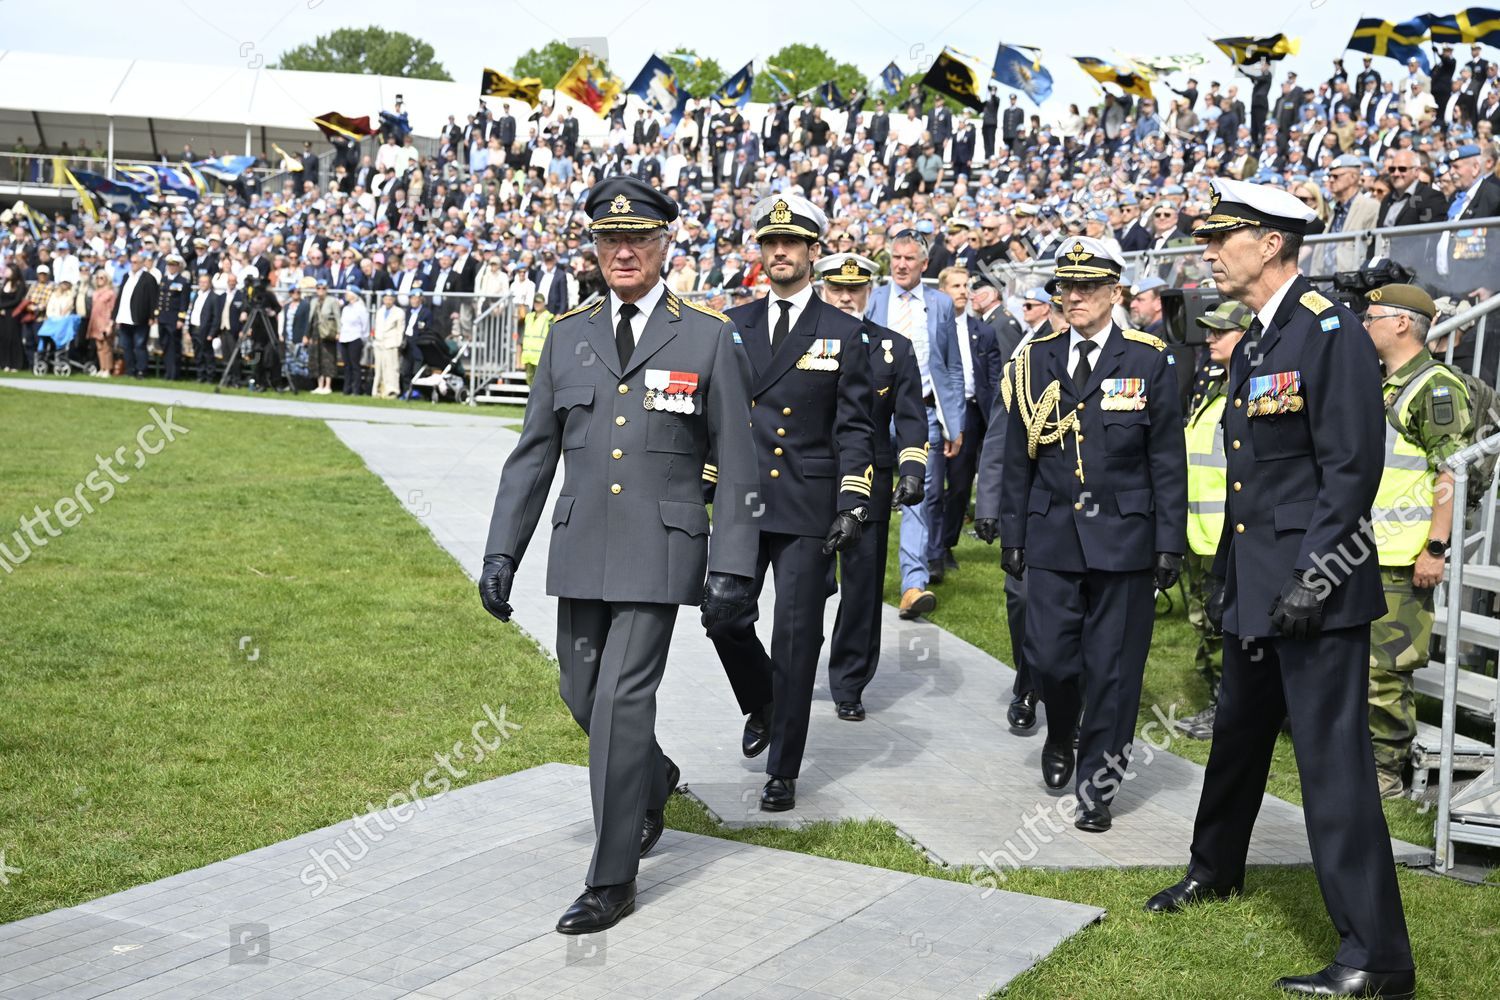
861	513
1436	547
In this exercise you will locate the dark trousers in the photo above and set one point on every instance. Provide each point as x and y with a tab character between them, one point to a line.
1015	617
352	354
1087	635
987	132
610	658
133	346
171	349
854	647
203	354
960	470
785	675
1323	683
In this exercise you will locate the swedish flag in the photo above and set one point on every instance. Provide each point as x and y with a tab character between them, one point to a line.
736	89
1394	41
1477	24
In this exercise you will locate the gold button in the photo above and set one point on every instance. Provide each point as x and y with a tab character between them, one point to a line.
619	421
624	388
1237	403
1240	528
781	432
1080	406
752	403
786	411
776	452
1236	487
775	473
617	453
1078	505
615	488
1236	444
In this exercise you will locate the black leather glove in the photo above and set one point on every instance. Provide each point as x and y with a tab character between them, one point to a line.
908	491
845	531
1168	569
1297	612
1013	561
724	596
1213	608
495	578
987	529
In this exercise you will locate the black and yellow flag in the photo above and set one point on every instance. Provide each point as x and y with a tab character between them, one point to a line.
1130	83
496	84
955	78
1242	50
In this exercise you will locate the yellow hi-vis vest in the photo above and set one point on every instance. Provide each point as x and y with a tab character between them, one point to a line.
534	330
1402	514
1206	478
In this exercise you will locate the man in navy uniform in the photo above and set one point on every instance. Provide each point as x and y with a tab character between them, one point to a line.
1093	510
810	411
171	313
1305	436
633	393
900	444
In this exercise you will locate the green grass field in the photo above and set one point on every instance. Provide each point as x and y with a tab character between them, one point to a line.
253	639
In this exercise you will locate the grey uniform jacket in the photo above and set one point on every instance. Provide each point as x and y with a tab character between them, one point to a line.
630	524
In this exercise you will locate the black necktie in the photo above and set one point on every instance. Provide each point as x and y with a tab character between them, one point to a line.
1252	341
1083	369
624	338
783	324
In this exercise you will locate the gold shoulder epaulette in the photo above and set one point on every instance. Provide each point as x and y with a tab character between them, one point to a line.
1316	302
705	309
1142	337
578	309
1042	340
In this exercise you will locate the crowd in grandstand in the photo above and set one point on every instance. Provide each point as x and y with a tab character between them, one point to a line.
494	209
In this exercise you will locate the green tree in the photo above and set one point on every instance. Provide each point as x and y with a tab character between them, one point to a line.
369	50
547	63
812	66
699	75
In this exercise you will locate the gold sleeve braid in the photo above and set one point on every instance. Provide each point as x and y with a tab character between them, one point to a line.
1042	428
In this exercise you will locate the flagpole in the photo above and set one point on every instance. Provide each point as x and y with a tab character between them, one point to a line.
109	152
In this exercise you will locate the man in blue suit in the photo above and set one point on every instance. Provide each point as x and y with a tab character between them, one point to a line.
1299	585
1093	510
924	316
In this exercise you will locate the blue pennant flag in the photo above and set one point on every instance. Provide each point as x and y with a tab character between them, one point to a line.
226	168
891	77
1021	69
174	181
736	89
118	195
397	125
657	84
829	93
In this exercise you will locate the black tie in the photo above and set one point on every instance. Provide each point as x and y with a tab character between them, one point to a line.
624	338
1083	369
783	324
1252	341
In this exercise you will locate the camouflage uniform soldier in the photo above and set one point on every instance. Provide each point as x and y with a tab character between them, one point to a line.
1427	419
1206	488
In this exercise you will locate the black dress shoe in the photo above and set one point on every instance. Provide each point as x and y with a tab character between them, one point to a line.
1342	981
780	794
1185	893
599	908
1022	712
935	570
1057	765
949	561
656	819
1094	819
852	711
757	732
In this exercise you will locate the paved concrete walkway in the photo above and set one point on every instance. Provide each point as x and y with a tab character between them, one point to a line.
458	900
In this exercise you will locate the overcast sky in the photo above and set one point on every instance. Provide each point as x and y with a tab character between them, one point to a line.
468	36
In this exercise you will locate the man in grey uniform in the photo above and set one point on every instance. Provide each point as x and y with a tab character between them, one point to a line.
632	392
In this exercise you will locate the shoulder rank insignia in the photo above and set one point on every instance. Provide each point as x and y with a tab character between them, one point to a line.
1142	337
673	304
1316	302
705	309
578	309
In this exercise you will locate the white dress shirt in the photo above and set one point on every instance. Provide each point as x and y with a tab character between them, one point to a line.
773	311
967	352
1268	311
644	307
1100	339
907	315
122	311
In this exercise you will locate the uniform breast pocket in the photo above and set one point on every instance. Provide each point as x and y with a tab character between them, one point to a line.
669	432
1125	431
574	405
1281	435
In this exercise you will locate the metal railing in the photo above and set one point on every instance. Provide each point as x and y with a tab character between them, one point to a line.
46	169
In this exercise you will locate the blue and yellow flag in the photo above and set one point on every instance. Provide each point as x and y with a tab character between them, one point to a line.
891	78
1394	41
1022	69
776	73
657	84
736	89
829	93
1477	24
226	168
96	190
